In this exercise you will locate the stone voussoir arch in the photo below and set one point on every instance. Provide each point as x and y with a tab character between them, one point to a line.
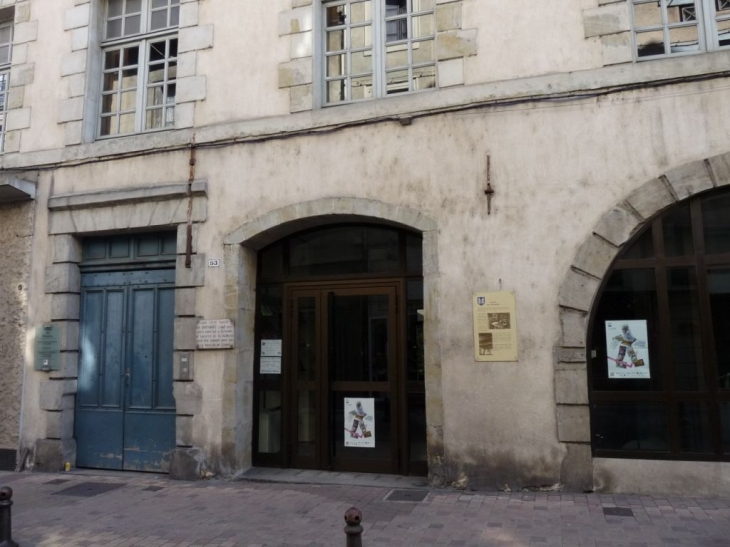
240	256
579	290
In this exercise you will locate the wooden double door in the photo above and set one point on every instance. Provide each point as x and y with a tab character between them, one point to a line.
345	399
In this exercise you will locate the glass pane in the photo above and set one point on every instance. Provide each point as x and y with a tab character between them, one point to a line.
424	78
694	428
153	119
681	11
159	3
271	312
650	43
725	422
362	88
4	54
5	34
722	7
684	39
271	262
361	62
129	78
677	230
126	123
172	51
111	59
423	52
414	253
414	331
132	25
171	92
108	126
306	423
270	422
336	40
361	37
686	337
629	296
642	248
723	33
156	74
114	8
719	287
395	7
157	51
336	91
359	338
172	70
360	12
647	15
335	16
378	424
345	250
134	6
423	26
154	96
417	426
114	28
158	20
716	219
396	82
630	426
109	103
131	56
307	343
129	100
174	16
111	81
336	65
396	30
396	56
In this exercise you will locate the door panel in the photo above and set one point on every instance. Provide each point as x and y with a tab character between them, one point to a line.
342	344
125	416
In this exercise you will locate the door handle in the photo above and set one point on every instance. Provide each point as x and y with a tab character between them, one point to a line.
127	376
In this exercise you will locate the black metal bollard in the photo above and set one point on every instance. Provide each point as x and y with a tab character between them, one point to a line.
6	533
353	518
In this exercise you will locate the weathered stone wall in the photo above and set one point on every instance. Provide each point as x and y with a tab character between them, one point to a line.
16	229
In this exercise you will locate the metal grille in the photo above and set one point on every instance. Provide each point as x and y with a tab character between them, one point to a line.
88	489
407	495
8	459
618	512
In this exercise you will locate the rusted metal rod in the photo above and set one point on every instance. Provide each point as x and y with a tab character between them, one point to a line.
6	533
353	518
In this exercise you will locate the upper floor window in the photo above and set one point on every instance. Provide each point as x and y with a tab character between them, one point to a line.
139	66
6	46
675	27
377	48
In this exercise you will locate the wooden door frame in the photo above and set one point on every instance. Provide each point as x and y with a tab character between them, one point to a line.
399	457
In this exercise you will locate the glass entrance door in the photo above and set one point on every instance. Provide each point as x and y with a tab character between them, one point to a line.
344	403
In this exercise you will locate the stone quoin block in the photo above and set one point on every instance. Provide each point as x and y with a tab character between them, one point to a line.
650	198
574	424
689	179
62	278
594	256
577	291
617	225
720	168
608	19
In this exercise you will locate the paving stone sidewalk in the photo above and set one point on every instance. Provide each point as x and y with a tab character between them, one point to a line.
69	510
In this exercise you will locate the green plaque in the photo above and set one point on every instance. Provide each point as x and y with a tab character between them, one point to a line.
48	347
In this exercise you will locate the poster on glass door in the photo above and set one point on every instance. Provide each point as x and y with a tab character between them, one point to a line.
360	422
628	349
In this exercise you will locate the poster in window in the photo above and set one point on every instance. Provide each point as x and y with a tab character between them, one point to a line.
495	326
627	348
359	422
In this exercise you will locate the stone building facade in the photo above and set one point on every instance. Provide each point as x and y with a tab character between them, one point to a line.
314	172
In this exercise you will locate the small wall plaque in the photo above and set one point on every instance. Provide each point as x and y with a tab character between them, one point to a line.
214	334
47	347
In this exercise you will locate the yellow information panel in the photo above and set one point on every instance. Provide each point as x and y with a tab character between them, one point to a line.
495	326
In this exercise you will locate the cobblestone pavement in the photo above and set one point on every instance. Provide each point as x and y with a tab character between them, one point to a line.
151	511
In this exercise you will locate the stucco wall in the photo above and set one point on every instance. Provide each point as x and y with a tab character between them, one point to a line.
16	222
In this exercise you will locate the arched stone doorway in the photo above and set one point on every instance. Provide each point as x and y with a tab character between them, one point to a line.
579	290
241	254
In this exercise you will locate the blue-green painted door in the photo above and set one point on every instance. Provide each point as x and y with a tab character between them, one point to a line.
125	409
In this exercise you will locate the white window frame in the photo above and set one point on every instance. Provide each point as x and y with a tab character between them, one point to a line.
5	84
378	50
143	40
706	22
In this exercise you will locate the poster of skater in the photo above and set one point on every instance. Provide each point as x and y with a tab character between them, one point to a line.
360	422
495	326
627	348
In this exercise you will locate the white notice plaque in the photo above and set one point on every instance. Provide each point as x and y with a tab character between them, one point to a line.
214	334
270	357
270	348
